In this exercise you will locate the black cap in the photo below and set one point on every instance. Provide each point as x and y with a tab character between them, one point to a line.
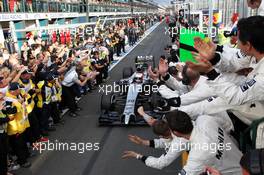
14	86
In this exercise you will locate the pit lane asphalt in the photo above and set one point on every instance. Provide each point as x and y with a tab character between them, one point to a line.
113	140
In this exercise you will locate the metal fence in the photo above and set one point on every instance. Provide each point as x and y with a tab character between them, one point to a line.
36	6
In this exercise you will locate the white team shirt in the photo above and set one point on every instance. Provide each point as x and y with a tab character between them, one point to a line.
199	92
173	147
70	77
261	9
211	146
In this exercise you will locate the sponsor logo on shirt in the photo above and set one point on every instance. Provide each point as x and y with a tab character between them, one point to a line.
221	139
245	86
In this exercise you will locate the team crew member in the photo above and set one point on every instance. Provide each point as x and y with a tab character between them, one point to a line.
104	55
68	95
247	113
251	42
110	47
172	146
132	35
100	65
242	116
224	155
17	127
3	136
170	80
198	89
122	35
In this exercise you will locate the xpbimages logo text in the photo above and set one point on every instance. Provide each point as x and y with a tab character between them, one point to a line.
80	147
117	88
207	147
172	31
82	32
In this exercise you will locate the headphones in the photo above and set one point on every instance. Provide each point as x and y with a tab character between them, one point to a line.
185	78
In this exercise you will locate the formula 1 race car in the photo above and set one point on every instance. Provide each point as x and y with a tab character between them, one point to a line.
134	90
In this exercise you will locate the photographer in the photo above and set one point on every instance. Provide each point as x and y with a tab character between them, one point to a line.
16	128
3	136
29	92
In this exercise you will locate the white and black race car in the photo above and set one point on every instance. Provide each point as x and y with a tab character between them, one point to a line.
134	90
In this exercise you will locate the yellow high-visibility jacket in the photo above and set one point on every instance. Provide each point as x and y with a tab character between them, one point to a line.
20	123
